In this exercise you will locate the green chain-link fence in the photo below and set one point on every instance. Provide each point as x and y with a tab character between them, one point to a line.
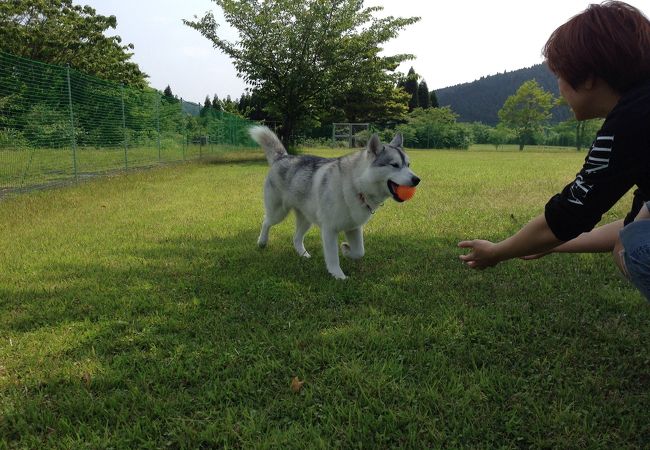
57	125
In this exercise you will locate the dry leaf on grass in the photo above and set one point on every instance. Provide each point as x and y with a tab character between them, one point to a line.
296	384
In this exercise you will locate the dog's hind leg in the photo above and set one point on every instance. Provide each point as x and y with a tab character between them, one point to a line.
272	217
331	250
353	248
302	226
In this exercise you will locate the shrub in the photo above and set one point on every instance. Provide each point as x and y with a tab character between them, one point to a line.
12	139
434	128
47	127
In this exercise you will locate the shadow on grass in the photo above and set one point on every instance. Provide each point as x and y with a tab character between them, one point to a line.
244	158
193	342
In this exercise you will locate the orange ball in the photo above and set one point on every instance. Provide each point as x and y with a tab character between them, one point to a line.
405	192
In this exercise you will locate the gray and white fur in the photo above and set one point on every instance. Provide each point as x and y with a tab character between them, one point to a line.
337	194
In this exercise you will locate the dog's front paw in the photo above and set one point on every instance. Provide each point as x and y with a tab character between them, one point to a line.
338	274
348	252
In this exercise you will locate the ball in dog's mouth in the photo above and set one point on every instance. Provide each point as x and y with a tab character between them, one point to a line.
399	192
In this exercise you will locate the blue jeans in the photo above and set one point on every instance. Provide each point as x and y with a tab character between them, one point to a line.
635	238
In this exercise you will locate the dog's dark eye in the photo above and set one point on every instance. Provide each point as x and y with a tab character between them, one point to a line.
395	165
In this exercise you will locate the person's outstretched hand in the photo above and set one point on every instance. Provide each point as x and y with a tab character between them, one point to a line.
482	254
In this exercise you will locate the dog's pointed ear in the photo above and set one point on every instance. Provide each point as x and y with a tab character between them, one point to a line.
397	141
374	145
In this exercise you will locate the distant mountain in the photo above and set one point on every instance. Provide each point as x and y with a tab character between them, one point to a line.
480	100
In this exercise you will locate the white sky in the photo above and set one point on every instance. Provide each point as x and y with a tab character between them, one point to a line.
456	41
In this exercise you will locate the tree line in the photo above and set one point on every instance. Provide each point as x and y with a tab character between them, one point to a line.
307	64
316	62
524	119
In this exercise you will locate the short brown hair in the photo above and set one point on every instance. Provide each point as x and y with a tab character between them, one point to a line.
610	41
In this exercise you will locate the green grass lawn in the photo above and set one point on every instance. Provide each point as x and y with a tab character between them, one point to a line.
137	312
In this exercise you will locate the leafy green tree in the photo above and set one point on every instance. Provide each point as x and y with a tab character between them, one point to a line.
500	135
251	105
45	126
216	103
433	99
375	99
410	85
230	106
585	130
527	111
207	107
59	32
167	93
424	101
574	133
480	132
301	55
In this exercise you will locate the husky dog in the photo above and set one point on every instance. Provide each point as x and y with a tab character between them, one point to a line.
337	194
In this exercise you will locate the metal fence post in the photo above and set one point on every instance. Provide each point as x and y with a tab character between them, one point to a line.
222	128
126	156
350	135
184	129
72	137
158	123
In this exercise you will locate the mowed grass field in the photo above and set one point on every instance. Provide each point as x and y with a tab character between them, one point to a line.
136	311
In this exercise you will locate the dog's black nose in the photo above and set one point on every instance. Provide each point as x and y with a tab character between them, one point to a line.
415	181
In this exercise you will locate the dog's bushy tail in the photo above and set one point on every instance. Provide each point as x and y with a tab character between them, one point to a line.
272	146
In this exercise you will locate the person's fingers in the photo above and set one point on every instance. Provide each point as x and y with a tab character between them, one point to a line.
476	265
466	244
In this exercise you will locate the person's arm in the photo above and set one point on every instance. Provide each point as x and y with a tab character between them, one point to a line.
535	237
600	239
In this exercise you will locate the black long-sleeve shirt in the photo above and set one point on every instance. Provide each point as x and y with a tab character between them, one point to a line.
618	160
